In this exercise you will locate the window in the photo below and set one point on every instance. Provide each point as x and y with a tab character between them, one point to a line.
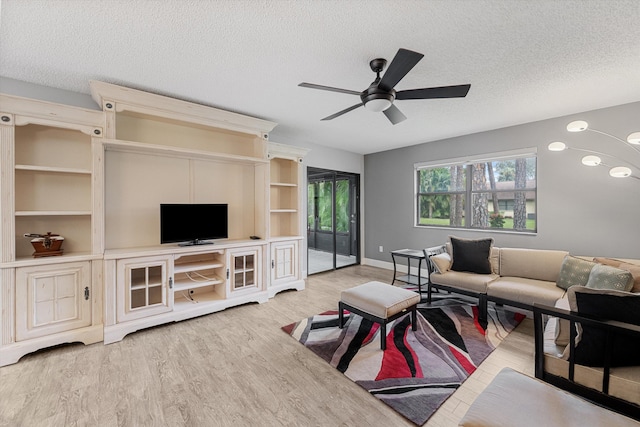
495	193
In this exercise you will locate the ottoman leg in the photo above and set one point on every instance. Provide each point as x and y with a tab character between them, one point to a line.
383	335
340	315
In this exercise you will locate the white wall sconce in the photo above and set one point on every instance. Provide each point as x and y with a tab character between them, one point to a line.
594	159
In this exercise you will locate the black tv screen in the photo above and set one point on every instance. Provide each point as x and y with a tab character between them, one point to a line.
193	224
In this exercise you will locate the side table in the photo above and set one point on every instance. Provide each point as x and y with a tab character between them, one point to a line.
409	254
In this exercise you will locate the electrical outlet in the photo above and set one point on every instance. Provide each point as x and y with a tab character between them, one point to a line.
380	249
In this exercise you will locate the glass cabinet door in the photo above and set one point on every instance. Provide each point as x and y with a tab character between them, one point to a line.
244	270
143	289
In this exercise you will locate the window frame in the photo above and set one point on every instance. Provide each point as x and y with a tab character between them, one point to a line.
468	192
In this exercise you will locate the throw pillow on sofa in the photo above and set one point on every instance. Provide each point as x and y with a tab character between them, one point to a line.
441	262
635	272
605	277
471	255
634	269
609	305
574	271
563	326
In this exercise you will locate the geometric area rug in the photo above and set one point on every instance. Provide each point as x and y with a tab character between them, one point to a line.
419	370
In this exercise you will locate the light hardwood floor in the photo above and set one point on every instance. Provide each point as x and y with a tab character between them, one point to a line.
234	367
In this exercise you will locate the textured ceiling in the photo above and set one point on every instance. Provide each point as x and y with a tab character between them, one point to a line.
525	60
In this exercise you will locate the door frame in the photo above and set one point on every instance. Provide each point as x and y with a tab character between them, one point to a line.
315	175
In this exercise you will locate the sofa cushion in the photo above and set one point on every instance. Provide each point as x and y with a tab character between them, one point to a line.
441	262
471	255
525	291
608	261
562	326
634	269
605	304
531	263
605	277
430	252
494	257
628	265
574	271
462	280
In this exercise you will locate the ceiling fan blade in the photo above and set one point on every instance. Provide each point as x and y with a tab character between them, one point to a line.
329	88
459	91
401	64
394	115
339	113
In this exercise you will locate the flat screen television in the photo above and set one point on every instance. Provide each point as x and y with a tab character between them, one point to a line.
193	224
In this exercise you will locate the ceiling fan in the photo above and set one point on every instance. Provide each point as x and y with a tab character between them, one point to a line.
379	96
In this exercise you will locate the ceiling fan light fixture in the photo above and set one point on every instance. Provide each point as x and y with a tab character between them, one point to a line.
380	95
378	105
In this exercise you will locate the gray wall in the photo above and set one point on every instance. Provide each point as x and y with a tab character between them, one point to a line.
580	209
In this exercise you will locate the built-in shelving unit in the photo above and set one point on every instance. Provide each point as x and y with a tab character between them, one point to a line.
51	181
162	150
284	195
285	217
98	178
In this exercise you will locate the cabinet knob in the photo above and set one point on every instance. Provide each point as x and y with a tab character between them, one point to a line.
170	282
273	264
86	293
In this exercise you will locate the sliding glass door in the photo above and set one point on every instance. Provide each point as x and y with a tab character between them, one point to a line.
332	219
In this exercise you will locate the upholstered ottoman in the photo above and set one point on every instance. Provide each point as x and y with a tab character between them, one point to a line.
380	303
515	399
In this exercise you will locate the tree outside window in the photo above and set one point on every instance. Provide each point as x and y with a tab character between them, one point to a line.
494	194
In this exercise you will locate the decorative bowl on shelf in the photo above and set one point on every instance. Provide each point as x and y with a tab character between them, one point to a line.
46	244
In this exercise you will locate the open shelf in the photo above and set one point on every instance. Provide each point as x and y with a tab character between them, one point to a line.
157	130
197	265
52	213
39	189
75	227
201	273
200	296
52	148
52	169
198	282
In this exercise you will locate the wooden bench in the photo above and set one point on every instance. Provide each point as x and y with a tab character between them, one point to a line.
380	303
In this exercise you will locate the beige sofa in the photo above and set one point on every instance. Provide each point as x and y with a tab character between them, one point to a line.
528	278
519	277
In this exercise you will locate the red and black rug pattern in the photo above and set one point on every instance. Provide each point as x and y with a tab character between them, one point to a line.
419	369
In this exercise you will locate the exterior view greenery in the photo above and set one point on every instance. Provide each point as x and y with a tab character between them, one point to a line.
498	194
323	191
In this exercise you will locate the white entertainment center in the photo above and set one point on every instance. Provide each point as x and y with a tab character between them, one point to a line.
98	178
